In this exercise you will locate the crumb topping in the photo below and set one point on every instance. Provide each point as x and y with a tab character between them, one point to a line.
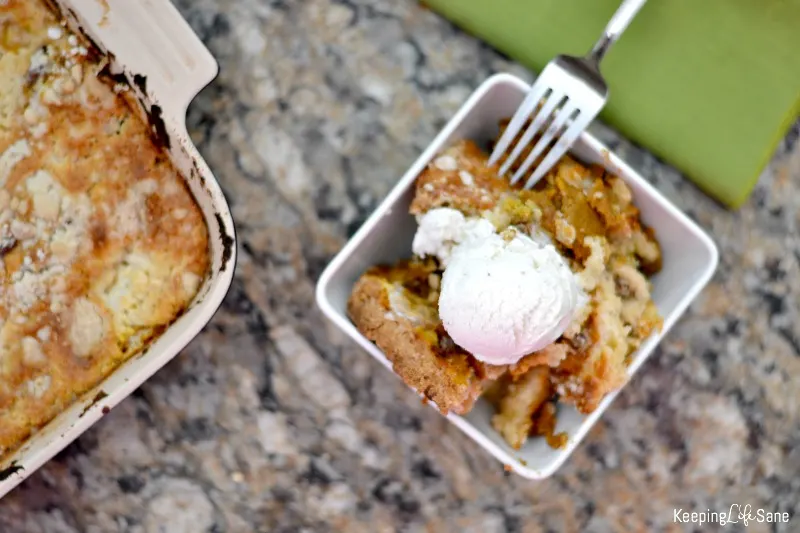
92	263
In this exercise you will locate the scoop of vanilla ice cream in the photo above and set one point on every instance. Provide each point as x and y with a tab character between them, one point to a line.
502	296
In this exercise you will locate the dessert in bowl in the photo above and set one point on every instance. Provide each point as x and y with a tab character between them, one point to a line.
534	296
517	313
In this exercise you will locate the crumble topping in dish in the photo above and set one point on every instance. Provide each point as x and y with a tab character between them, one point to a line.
101	244
589	216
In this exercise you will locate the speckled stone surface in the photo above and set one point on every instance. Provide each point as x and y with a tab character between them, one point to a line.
273	421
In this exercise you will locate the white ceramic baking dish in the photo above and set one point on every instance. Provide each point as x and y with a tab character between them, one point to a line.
690	258
167	64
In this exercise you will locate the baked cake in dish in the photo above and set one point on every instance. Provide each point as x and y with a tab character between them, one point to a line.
588	217
102	246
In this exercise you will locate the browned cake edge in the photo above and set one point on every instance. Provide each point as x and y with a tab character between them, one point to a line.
446	381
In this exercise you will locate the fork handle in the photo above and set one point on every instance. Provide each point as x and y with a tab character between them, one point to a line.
624	15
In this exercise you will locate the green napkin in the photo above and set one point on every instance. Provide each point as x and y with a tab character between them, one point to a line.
711	86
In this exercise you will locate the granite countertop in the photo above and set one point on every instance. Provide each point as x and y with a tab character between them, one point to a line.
273	421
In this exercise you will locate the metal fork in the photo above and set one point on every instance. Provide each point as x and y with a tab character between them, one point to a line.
566	97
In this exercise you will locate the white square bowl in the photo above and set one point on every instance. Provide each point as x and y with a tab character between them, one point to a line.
689	260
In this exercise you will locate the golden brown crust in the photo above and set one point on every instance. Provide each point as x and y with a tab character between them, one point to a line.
451	382
459	179
101	244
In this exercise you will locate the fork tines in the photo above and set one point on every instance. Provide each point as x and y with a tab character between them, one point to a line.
553	116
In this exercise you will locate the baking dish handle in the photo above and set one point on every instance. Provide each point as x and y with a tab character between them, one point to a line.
154	45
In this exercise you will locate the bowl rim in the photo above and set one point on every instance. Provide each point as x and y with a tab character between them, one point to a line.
343	322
